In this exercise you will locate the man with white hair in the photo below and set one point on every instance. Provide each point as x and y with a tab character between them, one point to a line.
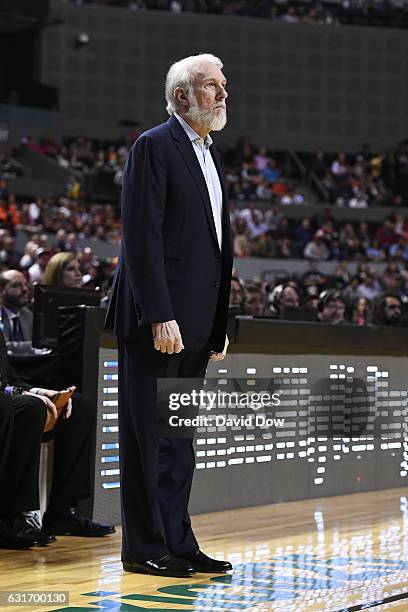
169	309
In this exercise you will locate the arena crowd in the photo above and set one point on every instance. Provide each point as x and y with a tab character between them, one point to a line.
257	172
260	183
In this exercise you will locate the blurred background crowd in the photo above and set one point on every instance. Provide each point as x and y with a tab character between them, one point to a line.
261	184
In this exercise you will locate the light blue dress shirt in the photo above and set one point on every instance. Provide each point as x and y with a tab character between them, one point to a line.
202	150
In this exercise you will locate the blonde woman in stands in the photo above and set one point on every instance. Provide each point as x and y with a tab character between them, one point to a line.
63	270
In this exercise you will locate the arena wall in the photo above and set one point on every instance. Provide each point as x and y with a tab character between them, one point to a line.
291	85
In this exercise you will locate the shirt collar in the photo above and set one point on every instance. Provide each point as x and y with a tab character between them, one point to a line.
11	315
192	134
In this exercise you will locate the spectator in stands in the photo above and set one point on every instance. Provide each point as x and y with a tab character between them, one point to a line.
286	248
34	211
348	238
282	296
387	310
49	146
280	188
331	307
36	271
391	277
290	16
313	276
28	258
71	241
242	247
273	217
358	201
9	212
60	238
16	318
375	252
63	157
363	234
73	187
256	226
175	7
101	272
237	295
293	196
63	270
9	254
399	249
255	301
316	248
339	167
262	159
271	173
250	213
361	312
311	298
341	276
385	234
264	191
370	287
303	234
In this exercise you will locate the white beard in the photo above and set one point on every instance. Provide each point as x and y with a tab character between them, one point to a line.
212	120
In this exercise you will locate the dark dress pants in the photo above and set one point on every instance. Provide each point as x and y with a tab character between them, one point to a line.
74	443
22	421
156	473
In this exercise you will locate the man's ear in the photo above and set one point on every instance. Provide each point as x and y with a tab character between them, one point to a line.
181	97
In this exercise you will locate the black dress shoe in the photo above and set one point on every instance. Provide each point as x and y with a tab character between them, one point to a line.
39	537
163	566
12	540
204	564
74	524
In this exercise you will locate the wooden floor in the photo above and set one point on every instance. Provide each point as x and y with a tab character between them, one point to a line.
340	553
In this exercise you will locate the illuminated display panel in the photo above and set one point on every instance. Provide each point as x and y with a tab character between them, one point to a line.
296	460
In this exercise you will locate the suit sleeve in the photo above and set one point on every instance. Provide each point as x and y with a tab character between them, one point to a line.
14	380
143	208
8	374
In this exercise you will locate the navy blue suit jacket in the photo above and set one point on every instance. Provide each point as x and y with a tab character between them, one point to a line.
170	264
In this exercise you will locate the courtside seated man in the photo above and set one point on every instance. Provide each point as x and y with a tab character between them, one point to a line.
169	310
25	414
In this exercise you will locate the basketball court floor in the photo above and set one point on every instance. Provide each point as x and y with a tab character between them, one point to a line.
343	553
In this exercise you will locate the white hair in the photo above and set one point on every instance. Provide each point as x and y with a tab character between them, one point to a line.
182	73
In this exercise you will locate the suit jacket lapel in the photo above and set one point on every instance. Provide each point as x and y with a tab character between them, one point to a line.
26	326
6	324
190	158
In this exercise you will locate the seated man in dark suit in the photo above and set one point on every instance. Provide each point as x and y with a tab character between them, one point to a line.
16	318
25	413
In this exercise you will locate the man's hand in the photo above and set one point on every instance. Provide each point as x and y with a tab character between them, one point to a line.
167	337
51	393
220	356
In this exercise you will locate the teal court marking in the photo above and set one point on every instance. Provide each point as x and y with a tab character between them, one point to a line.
284	578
